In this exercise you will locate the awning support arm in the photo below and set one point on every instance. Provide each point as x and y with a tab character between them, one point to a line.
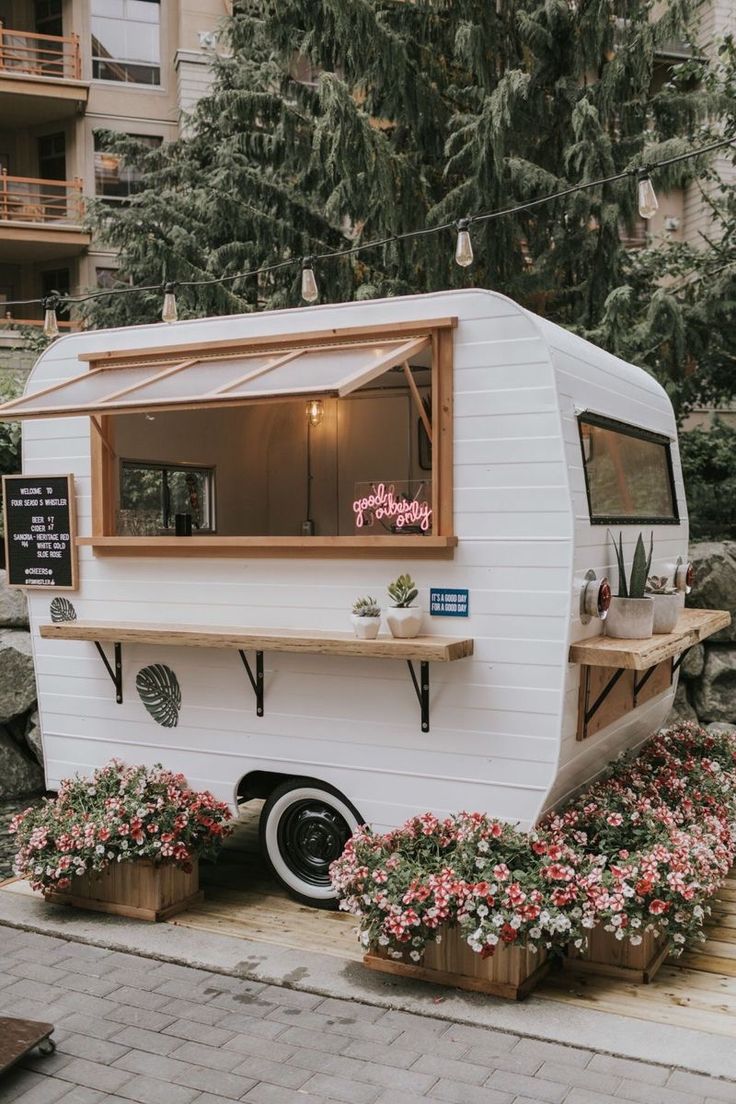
417	399
255	681
117	674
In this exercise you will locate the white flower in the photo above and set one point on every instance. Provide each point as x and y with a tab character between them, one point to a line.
535	933
483	846
620	934
415	956
635	940
382	940
480	863
482	910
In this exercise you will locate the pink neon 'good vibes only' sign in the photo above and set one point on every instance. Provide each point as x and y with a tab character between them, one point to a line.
384	503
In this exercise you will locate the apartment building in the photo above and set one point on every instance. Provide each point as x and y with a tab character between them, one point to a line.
69	68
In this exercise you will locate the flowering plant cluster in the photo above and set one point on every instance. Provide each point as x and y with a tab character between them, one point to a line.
119	814
641	850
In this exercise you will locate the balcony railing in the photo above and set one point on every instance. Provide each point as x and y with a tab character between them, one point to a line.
26	199
8	323
37	55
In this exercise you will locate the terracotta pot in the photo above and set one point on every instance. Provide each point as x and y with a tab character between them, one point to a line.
667	608
365	628
404	621
630	618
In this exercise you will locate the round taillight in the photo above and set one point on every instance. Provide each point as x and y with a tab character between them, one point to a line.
685	577
604	599
689	577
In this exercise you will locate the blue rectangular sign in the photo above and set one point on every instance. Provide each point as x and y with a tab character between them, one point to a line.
448	602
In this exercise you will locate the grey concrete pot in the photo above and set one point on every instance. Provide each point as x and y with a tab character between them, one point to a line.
667	609
630	618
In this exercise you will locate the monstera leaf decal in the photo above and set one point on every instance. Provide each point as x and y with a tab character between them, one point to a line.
160	692
61	609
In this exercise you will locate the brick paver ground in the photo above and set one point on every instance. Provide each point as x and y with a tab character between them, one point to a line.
131	1029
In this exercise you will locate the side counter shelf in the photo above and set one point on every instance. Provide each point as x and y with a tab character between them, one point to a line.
611	669
421	649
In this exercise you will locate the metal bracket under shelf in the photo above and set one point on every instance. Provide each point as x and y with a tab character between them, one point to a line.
117	674
255	681
590	713
421	686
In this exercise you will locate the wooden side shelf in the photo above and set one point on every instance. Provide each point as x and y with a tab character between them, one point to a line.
638	655
421	649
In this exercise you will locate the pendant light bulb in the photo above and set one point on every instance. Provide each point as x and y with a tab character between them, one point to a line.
310	291
50	321
315	411
463	245
169	312
648	204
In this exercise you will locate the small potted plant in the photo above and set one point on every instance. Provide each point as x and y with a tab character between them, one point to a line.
366	618
668	601
631	614
404	619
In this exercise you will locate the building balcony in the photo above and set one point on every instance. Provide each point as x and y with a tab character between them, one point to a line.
41	220
40	77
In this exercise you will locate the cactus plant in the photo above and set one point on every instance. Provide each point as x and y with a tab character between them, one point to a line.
660	584
402	591
366	607
637	581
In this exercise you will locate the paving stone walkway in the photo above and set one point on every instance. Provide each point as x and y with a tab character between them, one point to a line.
133	1029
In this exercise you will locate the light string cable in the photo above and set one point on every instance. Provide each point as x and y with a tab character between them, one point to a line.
56	300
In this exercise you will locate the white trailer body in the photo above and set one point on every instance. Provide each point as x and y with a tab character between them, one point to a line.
504	726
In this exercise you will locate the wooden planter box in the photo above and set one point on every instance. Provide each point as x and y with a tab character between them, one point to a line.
618	958
512	972
139	889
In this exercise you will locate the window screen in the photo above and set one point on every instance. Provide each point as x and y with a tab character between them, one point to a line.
628	473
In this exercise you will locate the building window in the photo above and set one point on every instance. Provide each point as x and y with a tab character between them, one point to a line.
628	473
113	179
152	494
126	41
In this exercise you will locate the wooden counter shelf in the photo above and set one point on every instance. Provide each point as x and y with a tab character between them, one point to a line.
609	684
430	546
422	649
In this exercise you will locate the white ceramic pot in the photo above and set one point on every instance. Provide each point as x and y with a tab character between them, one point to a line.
630	618
667	609
404	621
365	628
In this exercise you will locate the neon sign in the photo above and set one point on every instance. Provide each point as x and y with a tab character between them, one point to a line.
401	509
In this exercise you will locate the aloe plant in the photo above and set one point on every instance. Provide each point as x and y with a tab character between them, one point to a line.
636	584
366	607
402	591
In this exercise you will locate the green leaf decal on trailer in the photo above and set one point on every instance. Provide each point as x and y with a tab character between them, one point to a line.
160	692
61	609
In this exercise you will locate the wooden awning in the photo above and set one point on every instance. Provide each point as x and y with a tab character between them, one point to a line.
203	381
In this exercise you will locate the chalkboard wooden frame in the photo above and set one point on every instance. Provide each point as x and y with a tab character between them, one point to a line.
73	551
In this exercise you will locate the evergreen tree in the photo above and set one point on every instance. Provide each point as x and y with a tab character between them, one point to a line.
333	122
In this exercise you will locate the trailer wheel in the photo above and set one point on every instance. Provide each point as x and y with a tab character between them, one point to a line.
304	827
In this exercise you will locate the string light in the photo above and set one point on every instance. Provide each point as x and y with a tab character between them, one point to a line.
648	204
309	282
310	291
50	322
169	312
315	411
463	245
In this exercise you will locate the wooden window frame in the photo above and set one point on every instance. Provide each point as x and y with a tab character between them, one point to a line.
439	544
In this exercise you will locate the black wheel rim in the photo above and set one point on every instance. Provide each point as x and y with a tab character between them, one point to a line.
311	835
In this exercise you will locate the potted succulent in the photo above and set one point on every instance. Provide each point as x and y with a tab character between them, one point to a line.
366	618
668	601
631	614
404	620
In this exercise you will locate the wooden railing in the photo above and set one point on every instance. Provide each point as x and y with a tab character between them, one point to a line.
10	323
22	52
26	199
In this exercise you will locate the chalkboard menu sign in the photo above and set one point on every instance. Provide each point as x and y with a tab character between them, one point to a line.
39	531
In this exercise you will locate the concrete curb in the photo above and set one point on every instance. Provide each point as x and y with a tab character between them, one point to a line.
330	976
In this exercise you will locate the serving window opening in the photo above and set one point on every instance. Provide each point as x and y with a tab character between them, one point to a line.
629	476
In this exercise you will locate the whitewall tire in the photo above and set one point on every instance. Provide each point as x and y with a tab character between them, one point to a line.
304	827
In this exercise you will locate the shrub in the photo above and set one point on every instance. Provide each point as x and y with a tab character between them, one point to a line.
710	482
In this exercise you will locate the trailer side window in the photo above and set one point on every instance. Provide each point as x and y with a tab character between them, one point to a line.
152	494
628	473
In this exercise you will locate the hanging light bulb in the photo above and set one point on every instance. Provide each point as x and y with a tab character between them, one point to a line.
315	411
169	312
50	321
310	291
463	246
648	205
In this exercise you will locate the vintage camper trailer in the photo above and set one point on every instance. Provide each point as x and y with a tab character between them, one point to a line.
238	482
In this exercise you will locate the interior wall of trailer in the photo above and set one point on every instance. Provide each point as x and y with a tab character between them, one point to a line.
272	470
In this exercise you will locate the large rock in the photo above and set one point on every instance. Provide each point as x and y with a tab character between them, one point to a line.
714	696
722	729
33	737
17	680
681	710
715	581
693	663
13	606
19	773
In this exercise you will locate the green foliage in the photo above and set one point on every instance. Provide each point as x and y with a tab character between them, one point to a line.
402	591
10	388
636	585
707	457
332	122
366	607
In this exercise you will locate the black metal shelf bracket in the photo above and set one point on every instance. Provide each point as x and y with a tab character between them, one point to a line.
421	687
256	680
676	663
590	713
117	674
639	684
